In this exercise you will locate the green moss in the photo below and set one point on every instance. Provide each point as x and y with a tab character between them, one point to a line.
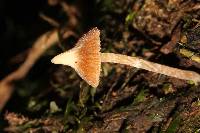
168	88
197	131
54	107
35	105
69	108
107	5
191	82
141	96
186	53
155	117
196	103
190	54
129	18
196	58
174	125
84	94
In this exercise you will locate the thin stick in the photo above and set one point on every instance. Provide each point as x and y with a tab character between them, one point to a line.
49	20
44	42
150	66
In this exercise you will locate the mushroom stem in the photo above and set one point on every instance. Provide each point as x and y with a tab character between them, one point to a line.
86	59
150	66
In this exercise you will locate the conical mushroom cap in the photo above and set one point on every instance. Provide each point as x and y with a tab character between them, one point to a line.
84	57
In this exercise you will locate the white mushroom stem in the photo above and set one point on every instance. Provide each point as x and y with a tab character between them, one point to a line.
150	66
86	59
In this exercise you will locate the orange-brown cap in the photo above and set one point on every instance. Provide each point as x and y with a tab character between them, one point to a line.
84	57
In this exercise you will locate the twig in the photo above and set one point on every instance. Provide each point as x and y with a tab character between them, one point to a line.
44	42
49	20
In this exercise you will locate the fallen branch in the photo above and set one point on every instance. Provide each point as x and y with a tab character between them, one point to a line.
44	42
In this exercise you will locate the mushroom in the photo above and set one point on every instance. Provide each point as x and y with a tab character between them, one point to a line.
86	59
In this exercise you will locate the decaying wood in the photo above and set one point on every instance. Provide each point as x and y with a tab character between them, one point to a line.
169	47
127	99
